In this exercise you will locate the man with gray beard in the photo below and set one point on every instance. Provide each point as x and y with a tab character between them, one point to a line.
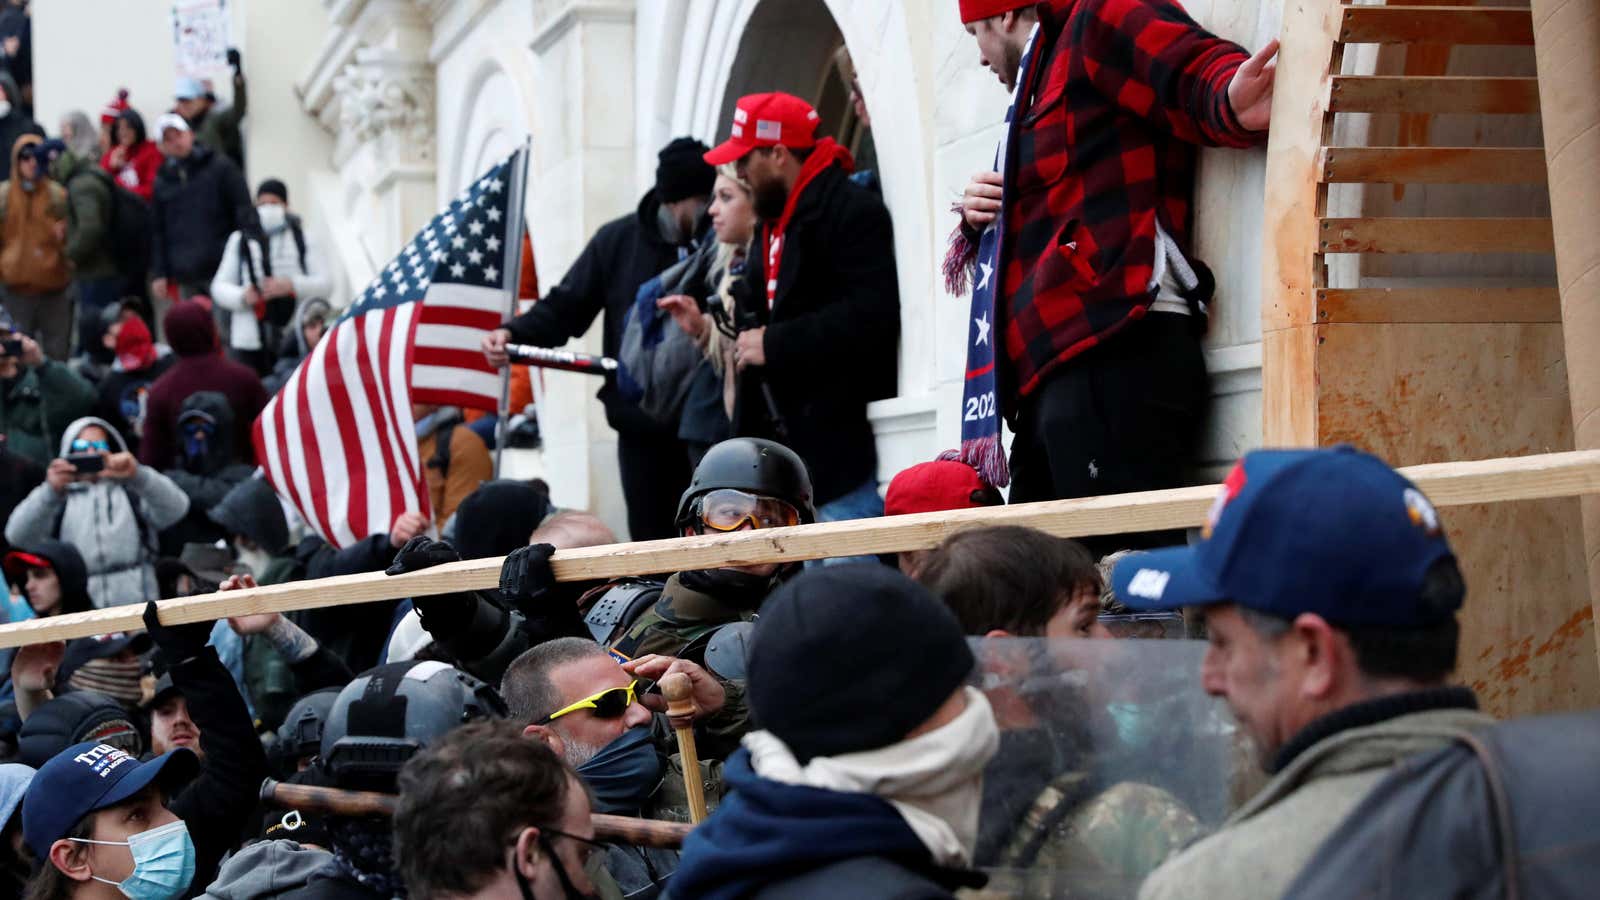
593	712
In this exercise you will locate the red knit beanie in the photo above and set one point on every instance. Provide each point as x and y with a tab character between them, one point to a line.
974	10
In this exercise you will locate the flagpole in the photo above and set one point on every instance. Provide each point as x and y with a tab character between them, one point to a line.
513	280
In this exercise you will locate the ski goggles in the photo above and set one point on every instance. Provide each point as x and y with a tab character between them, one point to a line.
729	510
79	445
610	703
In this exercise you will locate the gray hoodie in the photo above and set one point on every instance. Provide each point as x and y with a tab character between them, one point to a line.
116	537
269	869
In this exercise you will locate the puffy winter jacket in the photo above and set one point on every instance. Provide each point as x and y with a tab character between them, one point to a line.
199	201
233	276
113	524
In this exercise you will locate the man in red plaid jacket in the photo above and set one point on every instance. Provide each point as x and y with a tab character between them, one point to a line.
1099	313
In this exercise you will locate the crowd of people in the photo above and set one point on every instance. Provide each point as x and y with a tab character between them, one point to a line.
923	724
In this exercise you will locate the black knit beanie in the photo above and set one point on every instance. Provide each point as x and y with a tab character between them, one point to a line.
275	187
682	172
851	658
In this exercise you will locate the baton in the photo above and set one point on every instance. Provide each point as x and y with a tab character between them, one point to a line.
617	829
676	688
565	360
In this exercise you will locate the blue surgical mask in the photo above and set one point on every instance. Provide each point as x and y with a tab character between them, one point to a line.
624	773
163	862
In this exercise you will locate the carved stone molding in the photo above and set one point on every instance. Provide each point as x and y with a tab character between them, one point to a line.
386	98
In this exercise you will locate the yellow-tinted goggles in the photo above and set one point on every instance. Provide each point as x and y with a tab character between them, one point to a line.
728	510
610	703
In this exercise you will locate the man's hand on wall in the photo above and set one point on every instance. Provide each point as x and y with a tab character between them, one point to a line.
1250	91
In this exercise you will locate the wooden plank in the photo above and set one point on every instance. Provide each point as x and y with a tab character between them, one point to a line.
1402	234
1504	26
1433	94
1438	304
1432	165
1448	484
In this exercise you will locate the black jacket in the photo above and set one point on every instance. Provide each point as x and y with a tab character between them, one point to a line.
622	255
354	632
832	342
217	805
198	203
15	124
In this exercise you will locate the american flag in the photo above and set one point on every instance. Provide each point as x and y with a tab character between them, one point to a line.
339	440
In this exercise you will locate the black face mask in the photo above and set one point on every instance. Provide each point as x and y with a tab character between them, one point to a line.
567	889
741	590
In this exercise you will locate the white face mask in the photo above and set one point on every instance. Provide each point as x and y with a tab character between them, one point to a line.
5	108
273	217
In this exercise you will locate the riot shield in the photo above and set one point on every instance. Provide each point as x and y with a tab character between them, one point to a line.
1111	758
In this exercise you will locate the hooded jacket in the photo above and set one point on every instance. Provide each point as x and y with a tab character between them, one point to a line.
776	841
113	524
293	347
125	388
210	472
233	276
14	124
1260	849
33	259
89	211
252	509
624	254
269	869
37	404
193	335
198	202
70	571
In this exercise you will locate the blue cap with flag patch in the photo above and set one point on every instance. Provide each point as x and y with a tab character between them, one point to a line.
1334	532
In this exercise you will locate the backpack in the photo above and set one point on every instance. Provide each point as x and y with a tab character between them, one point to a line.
280	310
128	227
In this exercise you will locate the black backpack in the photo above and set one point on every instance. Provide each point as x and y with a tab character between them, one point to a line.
128	227
280	310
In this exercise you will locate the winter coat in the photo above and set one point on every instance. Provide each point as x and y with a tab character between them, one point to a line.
218	803
294	348
233	277
198	202
1261	847
193	334
777	841
355	632
207	477
33	258
14	124
90	206
455	470
219	130
252	509
125	394
113	524
37	404
624	254
138	170
832	339
1512	810
269	869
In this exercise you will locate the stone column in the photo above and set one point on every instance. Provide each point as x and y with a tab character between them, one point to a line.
1567	47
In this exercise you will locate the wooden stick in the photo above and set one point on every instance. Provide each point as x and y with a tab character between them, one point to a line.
621	829
680	707
1543	476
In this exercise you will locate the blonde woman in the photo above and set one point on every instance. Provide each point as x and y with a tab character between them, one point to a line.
708	405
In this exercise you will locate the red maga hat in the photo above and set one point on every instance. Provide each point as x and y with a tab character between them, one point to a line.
974	10
936	486
767	120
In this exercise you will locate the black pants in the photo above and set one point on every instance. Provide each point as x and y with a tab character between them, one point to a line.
1125	416
655	473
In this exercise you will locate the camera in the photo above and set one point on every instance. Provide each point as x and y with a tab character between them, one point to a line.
11	347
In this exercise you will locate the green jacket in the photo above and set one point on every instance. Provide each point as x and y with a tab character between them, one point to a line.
89	211
36	406
219	130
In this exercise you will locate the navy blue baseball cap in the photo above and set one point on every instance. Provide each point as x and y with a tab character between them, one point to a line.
1335	532
88	777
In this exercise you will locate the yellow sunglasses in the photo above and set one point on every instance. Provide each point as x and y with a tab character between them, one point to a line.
608	704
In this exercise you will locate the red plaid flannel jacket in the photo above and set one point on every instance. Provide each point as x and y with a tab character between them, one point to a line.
1102	146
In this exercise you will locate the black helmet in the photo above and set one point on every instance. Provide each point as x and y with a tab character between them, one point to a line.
750	464
387	714
300	735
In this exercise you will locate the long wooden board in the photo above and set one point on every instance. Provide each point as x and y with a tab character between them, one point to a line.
1403	234
1437	25
1438	304
1447	484
1433	165
1434	94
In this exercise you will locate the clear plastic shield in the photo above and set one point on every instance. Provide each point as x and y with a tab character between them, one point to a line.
1112	758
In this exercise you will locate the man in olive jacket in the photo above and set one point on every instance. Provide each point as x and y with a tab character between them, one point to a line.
39	397
89	218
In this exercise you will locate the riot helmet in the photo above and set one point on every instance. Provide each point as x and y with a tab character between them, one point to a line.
300	735
386	715
749	466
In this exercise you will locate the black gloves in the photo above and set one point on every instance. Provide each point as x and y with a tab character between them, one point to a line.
421	552
234	60
526	576
177	643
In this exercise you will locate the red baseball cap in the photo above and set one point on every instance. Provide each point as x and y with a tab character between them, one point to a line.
976	10
17	562
767	120
936	487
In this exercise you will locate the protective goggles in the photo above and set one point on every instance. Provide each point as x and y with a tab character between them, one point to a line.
79	445
729	510
608	704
